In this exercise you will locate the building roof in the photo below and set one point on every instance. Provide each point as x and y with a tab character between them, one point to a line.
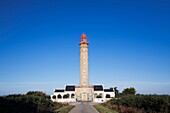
70	88
98	88
109	90
59	90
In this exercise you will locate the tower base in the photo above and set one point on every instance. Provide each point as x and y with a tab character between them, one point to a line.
84	93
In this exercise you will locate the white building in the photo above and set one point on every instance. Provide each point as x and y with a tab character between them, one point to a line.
84	91
64	95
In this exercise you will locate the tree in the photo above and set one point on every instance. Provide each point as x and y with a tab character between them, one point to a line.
129	91
116	92
32	102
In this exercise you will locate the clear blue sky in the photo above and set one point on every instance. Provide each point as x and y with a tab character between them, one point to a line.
129	44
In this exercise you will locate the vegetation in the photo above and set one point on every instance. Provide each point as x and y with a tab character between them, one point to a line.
125	92
127	102
32	102
102	109
140	104
116	91
130	102
64	109
129	91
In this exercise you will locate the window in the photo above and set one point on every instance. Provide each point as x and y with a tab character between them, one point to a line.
59	96
107	96
66	96
95	95
54	97
72	95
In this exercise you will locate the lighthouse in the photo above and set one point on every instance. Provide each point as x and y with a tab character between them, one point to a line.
84	91
84	80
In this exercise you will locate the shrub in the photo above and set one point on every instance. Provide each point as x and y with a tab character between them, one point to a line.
32	102
147	103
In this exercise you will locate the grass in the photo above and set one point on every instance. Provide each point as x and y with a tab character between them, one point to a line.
64	109
102	109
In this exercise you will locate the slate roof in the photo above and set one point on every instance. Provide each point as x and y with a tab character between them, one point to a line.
70	88
98	88
109	90
59	90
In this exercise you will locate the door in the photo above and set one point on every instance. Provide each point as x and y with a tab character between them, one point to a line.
84	98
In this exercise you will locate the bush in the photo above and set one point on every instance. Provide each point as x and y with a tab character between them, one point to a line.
146	103
32	102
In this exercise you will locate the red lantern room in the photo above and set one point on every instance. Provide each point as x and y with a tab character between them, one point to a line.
84	39
83	36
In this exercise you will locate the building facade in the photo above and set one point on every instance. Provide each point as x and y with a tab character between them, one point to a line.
84	91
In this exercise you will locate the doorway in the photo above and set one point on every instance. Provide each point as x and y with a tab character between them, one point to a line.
84	97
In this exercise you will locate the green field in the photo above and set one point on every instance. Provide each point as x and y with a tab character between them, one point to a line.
64	109
102	109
